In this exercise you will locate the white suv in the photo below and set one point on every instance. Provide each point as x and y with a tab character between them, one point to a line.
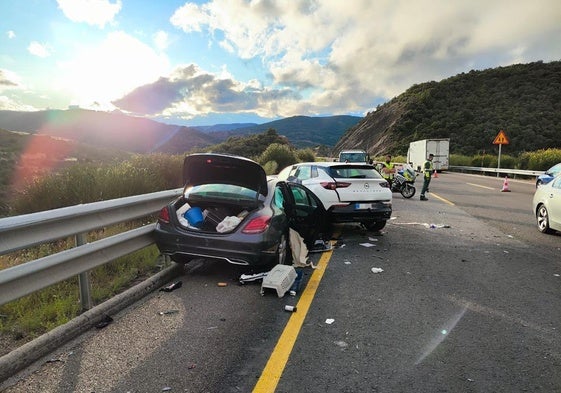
350	192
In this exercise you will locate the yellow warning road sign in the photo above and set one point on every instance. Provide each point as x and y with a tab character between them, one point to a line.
501	139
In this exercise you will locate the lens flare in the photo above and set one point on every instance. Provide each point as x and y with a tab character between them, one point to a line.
443	333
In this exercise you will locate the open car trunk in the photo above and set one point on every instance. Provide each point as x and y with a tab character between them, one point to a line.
221	218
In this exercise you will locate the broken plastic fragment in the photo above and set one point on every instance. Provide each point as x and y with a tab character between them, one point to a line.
377	270
172	287
329	321
252	277
367	244
168	312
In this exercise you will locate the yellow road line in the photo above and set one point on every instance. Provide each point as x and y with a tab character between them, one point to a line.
442	199
479	185
270	376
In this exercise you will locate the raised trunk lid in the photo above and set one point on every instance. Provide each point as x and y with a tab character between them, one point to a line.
206	168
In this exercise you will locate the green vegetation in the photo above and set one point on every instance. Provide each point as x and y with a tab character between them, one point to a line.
540	160
471	108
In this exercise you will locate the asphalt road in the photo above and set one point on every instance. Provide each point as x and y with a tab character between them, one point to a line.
471	303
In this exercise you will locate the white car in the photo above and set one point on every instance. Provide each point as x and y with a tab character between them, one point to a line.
547	206
350	192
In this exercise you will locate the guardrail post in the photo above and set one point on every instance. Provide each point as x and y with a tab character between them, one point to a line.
84	280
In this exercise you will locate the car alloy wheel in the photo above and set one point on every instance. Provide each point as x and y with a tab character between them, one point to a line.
282	250
542	219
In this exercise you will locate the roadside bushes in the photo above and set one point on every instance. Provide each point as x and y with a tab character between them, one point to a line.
539	160
86	183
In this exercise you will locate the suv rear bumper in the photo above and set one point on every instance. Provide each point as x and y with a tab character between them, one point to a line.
379	211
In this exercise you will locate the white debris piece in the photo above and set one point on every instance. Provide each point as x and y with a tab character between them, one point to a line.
367	244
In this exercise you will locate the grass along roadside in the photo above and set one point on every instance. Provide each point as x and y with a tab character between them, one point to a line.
33	315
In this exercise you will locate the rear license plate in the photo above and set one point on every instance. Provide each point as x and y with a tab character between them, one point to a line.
362	206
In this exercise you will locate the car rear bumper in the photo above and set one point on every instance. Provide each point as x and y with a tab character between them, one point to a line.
359	212
240	250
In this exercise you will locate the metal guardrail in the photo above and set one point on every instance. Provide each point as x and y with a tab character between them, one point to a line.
498	171
29	230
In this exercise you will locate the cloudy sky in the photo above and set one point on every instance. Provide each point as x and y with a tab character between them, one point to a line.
225	61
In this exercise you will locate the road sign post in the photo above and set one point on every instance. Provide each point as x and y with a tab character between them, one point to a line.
501	139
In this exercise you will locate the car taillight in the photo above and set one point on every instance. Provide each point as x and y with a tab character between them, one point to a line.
164	215
385	184
332	185
257	225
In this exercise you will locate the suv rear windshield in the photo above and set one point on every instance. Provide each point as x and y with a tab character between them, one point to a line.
353	172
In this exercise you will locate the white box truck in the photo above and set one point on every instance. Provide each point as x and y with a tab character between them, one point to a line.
419	151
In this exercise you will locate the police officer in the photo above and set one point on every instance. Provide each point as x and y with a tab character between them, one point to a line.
388	169
428	169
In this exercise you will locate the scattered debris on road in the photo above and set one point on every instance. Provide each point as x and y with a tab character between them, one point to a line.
172	287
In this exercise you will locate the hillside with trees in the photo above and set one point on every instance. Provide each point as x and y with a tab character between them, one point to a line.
471	108
305	131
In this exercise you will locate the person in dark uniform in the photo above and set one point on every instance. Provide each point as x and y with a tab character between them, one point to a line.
428	169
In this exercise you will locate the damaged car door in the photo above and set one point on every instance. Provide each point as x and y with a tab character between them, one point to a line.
305	212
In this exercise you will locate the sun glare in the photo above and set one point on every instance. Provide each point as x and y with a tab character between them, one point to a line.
104	73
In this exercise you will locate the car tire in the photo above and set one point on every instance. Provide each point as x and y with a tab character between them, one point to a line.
374	226
284	254
542	219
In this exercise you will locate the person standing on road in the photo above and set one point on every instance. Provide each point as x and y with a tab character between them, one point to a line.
388	169
428	169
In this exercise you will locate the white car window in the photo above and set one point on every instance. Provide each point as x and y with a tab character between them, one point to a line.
304	172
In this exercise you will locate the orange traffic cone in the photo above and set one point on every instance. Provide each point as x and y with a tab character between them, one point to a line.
505	185
435	173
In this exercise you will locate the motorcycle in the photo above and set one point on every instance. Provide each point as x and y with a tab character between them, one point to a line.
404	181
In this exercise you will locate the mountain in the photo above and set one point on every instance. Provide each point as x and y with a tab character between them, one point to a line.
139	135
224	127
524	100
103	129
304	131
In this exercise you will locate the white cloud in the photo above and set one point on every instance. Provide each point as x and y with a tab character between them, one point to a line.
103	73
92	12
346	54
161	39
38	49
11	34
9	104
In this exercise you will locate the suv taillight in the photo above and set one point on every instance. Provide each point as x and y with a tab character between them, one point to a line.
332	185
257	225
385	184
164	215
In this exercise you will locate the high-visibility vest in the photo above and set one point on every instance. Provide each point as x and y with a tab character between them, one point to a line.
389	166
429	169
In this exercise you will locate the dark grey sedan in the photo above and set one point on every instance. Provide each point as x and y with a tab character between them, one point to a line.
231	211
